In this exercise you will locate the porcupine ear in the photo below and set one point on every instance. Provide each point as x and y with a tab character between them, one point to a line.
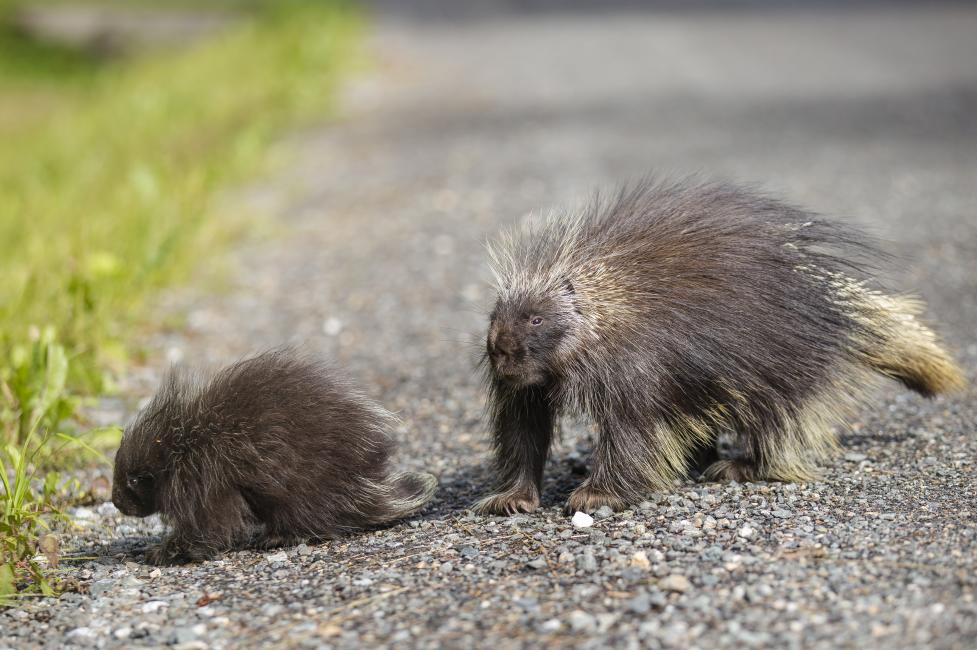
571	293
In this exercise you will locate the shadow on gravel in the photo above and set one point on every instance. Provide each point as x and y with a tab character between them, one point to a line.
129	549
461	488
851	441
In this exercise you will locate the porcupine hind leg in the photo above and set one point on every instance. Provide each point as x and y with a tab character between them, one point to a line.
786	444
732	459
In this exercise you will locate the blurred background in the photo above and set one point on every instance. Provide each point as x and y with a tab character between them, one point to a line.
421	127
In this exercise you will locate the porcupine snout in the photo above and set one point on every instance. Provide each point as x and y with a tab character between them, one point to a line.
505	350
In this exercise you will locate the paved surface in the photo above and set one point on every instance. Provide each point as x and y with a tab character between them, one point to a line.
467	125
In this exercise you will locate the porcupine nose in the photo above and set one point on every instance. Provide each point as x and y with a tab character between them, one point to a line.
505	346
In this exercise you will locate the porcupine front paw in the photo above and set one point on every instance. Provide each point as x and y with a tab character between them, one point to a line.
173	551
165	554
157	556
587	498
509	502
267	541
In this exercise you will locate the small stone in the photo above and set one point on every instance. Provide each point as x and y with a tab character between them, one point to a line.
303	550
581	621
582	520
675	582
81	635
329	630
184	635
640	560
605	620
155	573
132	582
122	633
468	551
107	509
640	604
99	587
587	562
154	606
781	514
746	532
854	457
552	625
332	326
657	599
82	513
447	567
272	610
604	512
527	604
538	563
281	557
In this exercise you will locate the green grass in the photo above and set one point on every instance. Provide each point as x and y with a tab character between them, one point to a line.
108	196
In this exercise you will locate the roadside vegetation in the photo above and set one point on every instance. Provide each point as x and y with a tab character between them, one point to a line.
108	173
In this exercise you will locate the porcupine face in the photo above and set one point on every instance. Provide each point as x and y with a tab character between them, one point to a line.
523	338
133	490
138	468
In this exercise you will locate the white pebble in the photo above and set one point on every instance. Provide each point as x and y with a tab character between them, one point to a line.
277	557
581	621
582	520
332	326
174	354
154	606
82	513
82	633
746	532
552	625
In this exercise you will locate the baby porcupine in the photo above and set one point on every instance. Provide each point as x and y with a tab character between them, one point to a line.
696	324
272	450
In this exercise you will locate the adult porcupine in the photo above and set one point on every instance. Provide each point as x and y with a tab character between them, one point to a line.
273	449
694	323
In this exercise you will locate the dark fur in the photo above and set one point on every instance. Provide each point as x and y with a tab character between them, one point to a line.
272	450
696	324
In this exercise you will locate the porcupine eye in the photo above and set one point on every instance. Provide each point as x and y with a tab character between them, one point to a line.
535	320
136	482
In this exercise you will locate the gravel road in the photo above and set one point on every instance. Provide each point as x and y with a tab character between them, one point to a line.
468	124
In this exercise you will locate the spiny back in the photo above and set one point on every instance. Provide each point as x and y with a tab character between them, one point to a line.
685	233
269	404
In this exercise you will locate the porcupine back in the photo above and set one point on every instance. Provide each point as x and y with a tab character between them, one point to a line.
703	308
